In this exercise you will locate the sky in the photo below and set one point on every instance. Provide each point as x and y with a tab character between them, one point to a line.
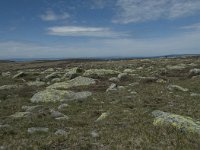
98	28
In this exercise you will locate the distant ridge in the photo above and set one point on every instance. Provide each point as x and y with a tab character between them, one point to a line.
97	58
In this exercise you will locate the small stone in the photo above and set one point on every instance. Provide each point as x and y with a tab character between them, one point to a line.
103	116
113	87
36	83
6	74
62	118
20	114
9	87
63	106
129	71
61	132
56	80
114	79
194	72
122	76
195	94
18	75
177	88
56	114
52	75
33	130
94	134
30	108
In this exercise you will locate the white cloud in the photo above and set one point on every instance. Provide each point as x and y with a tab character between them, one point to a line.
193	26
83	31
52	16
185	43
131	11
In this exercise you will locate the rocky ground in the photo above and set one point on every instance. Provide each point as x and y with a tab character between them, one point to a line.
100	105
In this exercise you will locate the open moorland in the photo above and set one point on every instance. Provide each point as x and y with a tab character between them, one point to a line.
131	104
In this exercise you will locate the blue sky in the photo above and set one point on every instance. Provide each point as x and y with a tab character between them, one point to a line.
98	28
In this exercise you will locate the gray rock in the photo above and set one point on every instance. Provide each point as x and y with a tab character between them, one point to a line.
21	115
177	67
36	83
78	81
56	114
31	108
94	134
100	72
19	75
194	72
114	79
177	88
6	74
33	130
61	132
129	71
63	106
180	122
56	80
113	87
195	94
50	95
9	87
52	75
72	73
122	76
62	118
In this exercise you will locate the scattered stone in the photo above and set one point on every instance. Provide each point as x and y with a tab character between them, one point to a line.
61	132
19	75
52	75
103	116
36	83
20	115
180	122
148	79
9	87
129	71
63	106
74	72
177	88
194	72
31	108
122	76
113	87
161	81
78	81
58	96
177	67
49	70
94	134
37	130
56	114
56	80
100	72
195	94
6	74
114	79
62	118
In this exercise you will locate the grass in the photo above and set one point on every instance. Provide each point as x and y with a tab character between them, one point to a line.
129	124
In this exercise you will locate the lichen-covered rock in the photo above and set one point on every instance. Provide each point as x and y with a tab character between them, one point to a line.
36	83
52	75
73	72
114	79
51	95
112	87
180	122
177	67
100	72
177	88
6	74
103	116
78	81
18	75
9	87
61	132
194	72
20	114
122	76
129	71
37	130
